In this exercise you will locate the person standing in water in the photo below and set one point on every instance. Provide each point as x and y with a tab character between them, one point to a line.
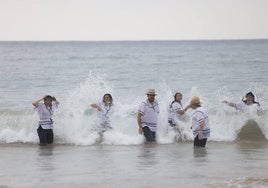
200	123
105	109
45	111
147	116
176	110
246	103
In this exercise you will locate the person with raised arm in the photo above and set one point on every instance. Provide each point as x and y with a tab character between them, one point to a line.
45	111
249	101
176	111
105	110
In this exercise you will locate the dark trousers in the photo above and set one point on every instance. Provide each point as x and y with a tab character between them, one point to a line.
46	136
149	135
200	143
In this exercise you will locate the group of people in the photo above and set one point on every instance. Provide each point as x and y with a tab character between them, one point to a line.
147	116
149	110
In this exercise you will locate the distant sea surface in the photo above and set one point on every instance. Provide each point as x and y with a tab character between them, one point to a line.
80	73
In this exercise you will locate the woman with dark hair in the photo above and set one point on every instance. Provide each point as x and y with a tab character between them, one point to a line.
247	101
105	109
176	110
45	111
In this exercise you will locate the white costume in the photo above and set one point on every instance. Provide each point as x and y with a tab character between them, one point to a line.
105	113
200	114
149	114
45	114
173	113
245	107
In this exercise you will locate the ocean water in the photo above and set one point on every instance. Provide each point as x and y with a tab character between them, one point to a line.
79	73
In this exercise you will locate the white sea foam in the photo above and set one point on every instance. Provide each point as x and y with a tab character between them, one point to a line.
76	122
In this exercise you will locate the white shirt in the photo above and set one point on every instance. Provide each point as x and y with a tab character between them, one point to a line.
173	111
105	113
149	114
45	115
200	114
247	107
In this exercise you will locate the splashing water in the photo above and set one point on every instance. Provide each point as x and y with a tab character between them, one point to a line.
76	122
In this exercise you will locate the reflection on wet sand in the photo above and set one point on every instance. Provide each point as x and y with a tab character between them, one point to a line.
45	160
147	156
200	152
45	150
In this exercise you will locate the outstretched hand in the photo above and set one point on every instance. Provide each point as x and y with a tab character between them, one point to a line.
96	106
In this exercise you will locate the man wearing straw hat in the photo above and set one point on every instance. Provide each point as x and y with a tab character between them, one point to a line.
147	116
200	123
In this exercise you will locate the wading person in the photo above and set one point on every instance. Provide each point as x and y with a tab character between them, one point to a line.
147	116
176	110
45	111
247	102
105	109
200	123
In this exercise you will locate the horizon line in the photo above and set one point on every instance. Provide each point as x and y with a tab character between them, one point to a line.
129	40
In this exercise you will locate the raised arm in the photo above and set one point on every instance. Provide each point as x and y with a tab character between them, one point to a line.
96	106
55	100
35	103
182	112
229	103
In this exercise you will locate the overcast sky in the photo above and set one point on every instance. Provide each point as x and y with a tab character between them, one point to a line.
133	19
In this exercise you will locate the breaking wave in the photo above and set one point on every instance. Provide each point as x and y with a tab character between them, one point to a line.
76	122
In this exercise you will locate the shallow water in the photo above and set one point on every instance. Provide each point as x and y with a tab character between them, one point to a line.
150	165
79	73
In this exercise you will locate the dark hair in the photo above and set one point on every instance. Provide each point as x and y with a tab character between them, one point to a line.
48	97
251	95
175	100
110	96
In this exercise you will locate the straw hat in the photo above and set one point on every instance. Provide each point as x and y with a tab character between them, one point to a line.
150	92
195	100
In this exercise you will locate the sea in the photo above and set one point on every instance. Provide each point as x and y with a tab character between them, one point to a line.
79	73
